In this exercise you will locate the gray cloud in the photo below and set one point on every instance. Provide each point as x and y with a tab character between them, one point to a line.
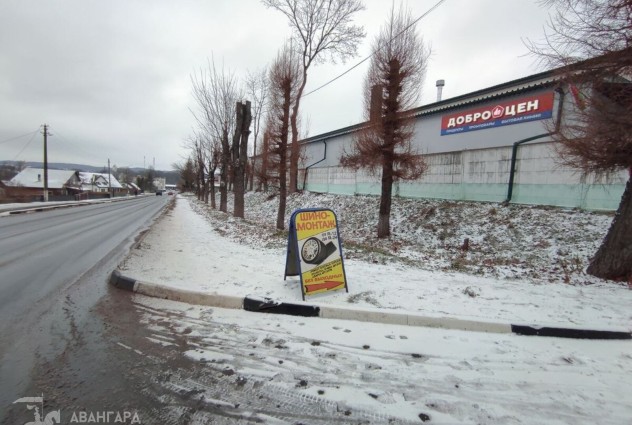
112	78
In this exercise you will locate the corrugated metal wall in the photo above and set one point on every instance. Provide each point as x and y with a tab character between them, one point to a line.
483	175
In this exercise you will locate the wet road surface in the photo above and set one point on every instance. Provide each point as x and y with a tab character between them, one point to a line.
53	269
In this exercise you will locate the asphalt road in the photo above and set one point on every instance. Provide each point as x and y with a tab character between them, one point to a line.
53	271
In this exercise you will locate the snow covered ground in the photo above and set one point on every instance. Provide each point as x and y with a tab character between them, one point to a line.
190	248
284	369
372	373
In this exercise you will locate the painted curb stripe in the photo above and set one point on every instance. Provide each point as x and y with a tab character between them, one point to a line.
122	282
190	297
569	333
274	307
267	305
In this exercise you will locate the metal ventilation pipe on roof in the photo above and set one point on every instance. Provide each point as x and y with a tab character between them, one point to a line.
440	84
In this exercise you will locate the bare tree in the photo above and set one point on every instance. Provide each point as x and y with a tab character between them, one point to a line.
262	171
590	40
125	175
284	82
392	85
199	154
239	151
187	173
322	29
257	90
216	92
208	156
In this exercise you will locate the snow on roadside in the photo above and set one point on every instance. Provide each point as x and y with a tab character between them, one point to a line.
194	247
535	243
390	371
5	208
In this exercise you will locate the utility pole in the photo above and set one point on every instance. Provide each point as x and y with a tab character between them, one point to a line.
109	179
45	163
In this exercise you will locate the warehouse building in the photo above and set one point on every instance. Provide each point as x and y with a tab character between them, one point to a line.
470	143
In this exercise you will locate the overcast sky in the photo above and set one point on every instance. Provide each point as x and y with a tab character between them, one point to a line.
112	78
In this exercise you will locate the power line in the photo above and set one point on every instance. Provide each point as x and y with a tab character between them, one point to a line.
18	137
73	144
27	145
375	51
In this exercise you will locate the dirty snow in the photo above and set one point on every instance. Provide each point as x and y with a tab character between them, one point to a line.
385	374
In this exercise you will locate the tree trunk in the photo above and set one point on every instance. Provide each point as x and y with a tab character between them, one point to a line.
254	167
237	171
212	180
200	181
280	223
384	219
206	191
240	156
613	259
294	148
389	126
198	189
248	175
265	152
287	92
223	183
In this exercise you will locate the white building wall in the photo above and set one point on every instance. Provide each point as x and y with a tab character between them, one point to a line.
475	165
483	175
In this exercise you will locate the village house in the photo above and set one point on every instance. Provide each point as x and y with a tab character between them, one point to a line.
28	185
97	182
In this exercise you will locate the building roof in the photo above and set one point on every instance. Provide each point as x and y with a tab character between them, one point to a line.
131	186
533	82
34	177
100	180
521	85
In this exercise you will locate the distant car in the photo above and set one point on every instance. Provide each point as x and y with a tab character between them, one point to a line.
159	193
170	193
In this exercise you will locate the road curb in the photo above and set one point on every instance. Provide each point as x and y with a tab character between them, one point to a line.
268	305
569	332
122	282
410	319
190	297
175	294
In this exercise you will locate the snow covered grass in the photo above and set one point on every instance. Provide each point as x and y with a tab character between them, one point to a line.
538	244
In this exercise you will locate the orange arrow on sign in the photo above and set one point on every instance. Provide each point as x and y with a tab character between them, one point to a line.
325	285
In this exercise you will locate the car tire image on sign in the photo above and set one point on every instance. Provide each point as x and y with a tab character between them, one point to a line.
314	251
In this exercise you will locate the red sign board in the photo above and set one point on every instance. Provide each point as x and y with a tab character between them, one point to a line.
532	108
